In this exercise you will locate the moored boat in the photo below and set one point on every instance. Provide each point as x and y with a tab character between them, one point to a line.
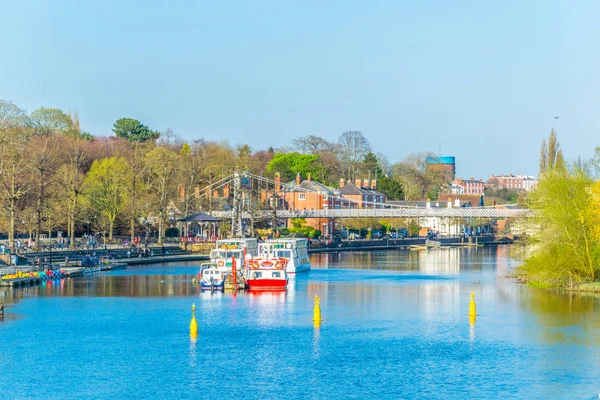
293	252
238	248
212	279
265	272
266	279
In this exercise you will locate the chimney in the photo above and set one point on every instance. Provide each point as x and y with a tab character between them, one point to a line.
456	202
215	193
308	177
449	203
182	191
428	203
471	179
226	191
365	184
373	185
277	182
358	183
298	179
342	182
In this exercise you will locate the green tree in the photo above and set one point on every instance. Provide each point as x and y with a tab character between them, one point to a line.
291	164
133	130
50	121
391	188
551	154
565	247
105	189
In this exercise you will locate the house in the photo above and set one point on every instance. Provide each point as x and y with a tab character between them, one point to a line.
513	182
467	186
363	193
305	196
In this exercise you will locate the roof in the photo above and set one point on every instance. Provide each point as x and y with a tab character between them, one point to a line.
200	217
309	186
350	189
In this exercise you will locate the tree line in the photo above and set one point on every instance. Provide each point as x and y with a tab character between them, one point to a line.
56	176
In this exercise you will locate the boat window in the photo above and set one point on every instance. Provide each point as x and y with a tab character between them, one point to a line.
258	274
276	274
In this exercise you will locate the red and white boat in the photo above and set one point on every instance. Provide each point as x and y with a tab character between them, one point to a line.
266	273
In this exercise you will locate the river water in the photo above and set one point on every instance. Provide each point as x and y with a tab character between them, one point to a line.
395	326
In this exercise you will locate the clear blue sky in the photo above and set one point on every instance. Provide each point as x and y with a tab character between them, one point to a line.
486	78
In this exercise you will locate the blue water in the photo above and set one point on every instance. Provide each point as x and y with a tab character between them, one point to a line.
395	326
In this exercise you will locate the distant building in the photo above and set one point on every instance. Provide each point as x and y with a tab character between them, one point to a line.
513	182
363	194
447	226
442	165
467	186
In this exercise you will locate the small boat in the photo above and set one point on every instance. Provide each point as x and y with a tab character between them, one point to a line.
212	279
266	275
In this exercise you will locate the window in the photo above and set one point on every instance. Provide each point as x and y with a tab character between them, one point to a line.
302	196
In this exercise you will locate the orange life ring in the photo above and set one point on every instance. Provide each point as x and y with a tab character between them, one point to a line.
278	265
284	262
220	263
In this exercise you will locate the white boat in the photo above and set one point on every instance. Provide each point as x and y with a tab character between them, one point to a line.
266	275
289	253
213	278
226	249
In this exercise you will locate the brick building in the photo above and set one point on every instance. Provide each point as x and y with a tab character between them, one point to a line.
513	182
363	194
467	186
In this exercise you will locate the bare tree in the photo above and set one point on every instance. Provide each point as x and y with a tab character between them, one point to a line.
312	144
352	148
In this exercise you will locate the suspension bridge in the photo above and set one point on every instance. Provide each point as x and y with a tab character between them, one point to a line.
244	189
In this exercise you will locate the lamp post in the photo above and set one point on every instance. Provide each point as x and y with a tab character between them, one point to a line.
146	226
88	224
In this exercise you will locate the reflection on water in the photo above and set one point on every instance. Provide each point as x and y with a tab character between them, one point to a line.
395	325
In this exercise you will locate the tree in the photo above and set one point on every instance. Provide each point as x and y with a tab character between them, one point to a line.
11	115
312	144
50	121
133	130
161	166
70	177
551	154
14	171
105	189
291	164
392	189
566	216
353	146
43	158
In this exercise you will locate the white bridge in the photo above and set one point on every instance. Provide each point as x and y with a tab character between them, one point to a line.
440	212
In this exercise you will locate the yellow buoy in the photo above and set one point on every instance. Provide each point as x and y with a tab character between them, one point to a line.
193	323
317	310
472	306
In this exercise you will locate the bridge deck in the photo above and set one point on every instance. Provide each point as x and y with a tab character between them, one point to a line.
450	212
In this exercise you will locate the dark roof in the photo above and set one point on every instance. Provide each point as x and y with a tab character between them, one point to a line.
308	186
200	217
350	189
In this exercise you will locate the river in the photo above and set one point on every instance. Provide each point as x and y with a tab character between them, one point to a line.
395	326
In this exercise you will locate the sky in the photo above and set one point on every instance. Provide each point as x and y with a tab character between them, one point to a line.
486	79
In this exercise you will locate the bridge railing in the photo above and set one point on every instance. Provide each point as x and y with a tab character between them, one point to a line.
450	212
